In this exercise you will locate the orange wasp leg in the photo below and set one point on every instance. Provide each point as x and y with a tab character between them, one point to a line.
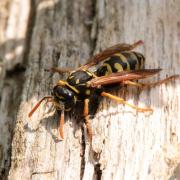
61	125
132	83
120	100
143	85
87	121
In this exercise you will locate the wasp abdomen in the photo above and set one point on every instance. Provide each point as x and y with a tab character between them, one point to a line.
122	62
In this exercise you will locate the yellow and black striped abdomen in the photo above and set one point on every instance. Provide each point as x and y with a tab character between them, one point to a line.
121	62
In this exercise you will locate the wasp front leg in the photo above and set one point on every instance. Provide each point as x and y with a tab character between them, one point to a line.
61	124
87	120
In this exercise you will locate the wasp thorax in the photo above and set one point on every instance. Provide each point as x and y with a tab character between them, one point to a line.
64	96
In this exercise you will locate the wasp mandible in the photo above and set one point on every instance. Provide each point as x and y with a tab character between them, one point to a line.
121	66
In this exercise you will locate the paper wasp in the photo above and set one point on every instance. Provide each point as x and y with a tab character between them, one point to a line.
122	67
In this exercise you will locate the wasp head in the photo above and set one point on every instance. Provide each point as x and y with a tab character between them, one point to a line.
64	98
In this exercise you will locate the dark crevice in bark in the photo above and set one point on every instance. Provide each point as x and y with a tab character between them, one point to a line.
17	70
91	24
15	79
40	55
93	33
29	33
83	147
30	25
89	20
56	57
42	173
95	27
12	85
97	172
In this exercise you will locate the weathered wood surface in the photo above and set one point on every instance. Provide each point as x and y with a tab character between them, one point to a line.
126	144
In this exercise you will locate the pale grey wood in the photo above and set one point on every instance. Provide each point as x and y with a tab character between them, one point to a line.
13	19
136	145
126	144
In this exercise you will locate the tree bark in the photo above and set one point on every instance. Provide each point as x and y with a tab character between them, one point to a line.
36	35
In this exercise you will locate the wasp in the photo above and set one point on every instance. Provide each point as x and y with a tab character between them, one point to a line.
120	65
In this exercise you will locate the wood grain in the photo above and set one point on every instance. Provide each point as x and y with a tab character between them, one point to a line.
126	144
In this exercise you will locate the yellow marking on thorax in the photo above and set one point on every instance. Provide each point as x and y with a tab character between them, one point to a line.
75	99
71	72
60	97
68	109
88	92
77	81
73	88
64	83
124	59
89	73
70	77
61	83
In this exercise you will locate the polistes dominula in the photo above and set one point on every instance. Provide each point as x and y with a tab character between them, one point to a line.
122	67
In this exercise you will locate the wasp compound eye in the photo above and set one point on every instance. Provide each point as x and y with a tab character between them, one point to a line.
64	95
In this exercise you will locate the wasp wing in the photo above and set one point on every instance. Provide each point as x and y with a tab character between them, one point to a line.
108	53
122	76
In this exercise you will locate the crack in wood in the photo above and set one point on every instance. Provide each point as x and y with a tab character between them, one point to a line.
16	70
29	33
82	155
97	172
41	172
16	74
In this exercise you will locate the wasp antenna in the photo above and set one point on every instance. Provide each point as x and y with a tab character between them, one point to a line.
38	104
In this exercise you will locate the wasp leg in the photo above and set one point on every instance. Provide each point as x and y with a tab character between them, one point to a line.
143	85
120	100
60	70
132	83
61	125
87	121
